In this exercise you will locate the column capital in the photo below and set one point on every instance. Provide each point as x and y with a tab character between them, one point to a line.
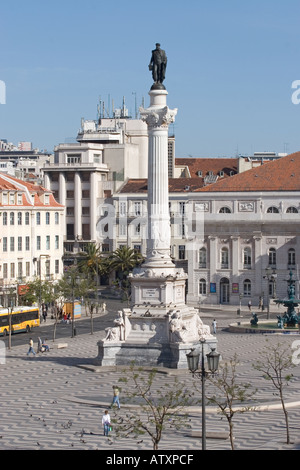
158	117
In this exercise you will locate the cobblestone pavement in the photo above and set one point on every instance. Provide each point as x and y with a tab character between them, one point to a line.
55	400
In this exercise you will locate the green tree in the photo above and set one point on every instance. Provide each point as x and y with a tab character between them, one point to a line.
89	295
38	291
80	284
158	410
276	360
43	291
92	261
230	396
123	260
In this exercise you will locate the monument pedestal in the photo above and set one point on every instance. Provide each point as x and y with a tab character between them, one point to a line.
160	339
159	329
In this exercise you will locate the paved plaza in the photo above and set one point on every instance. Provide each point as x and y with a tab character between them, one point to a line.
55	400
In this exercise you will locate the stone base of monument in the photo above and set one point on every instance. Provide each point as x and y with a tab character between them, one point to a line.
154	339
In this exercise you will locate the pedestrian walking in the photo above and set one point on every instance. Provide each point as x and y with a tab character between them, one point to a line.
116	397
106	423
44	312
214	325
31	350
260	303
249	305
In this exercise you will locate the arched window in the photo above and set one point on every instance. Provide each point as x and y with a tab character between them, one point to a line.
56	217
202	287
292	210
12	218
202	258
38	218
225	210
273	210
26	218
19	218
47	218
272	257
247	288
291	257
224	258
247	258
4	220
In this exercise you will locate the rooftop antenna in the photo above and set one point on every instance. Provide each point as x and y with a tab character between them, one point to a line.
135	107
123	107
99	108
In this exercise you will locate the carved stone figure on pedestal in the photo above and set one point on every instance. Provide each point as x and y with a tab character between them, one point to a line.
203	330
158	64
178	328
116	333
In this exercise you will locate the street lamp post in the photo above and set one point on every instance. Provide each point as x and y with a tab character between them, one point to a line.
74	278
10	308
40	293
213	364
73	308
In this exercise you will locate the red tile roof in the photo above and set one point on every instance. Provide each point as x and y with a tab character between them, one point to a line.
192	183
282	174
38	190
208	164
135	186
175	185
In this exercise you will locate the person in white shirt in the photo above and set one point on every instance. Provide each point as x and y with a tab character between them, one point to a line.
106	422
31	350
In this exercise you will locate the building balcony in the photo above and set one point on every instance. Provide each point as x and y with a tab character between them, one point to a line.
78	166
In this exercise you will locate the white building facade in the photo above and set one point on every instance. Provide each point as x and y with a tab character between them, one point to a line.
31	234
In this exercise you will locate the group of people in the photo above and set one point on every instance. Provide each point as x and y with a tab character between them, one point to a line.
41	347
66	318
260	304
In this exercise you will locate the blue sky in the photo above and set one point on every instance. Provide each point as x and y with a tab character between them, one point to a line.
230	69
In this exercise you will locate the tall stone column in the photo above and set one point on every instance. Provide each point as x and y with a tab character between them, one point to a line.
93	205
258	285
77	206
213	263
158	117
62	188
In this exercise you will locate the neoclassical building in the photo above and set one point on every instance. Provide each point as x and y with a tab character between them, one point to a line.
32	228
237	237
